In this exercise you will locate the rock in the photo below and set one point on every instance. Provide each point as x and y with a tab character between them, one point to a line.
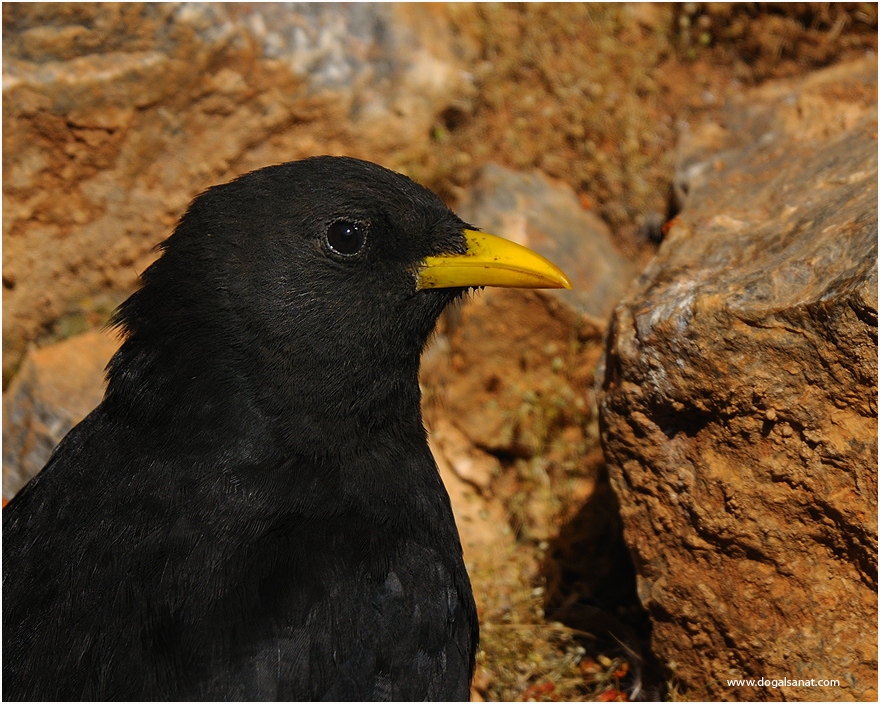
739	401
481	521
469	464
55	388
547	216
116	115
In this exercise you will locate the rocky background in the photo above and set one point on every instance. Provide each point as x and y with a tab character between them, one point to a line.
665	479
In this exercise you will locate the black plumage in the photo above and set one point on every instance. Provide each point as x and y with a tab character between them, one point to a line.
253	512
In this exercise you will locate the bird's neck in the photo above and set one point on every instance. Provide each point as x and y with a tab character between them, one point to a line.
291	453
294	404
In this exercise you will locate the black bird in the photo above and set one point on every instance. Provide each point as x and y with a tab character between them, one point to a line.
252	512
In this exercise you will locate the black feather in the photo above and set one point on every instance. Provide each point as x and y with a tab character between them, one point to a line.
253	512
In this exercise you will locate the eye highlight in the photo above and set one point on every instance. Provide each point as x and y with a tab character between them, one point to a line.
346	237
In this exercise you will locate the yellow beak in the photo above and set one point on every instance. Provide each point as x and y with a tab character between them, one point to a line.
490	261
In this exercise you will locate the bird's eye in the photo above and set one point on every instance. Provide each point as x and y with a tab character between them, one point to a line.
346	237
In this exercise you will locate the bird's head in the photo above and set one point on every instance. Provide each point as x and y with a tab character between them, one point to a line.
309	287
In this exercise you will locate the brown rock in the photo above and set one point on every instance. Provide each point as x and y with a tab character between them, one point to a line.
55	388
739	401
481	521
469	464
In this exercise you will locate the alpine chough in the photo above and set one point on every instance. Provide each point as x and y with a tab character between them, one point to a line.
252	512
